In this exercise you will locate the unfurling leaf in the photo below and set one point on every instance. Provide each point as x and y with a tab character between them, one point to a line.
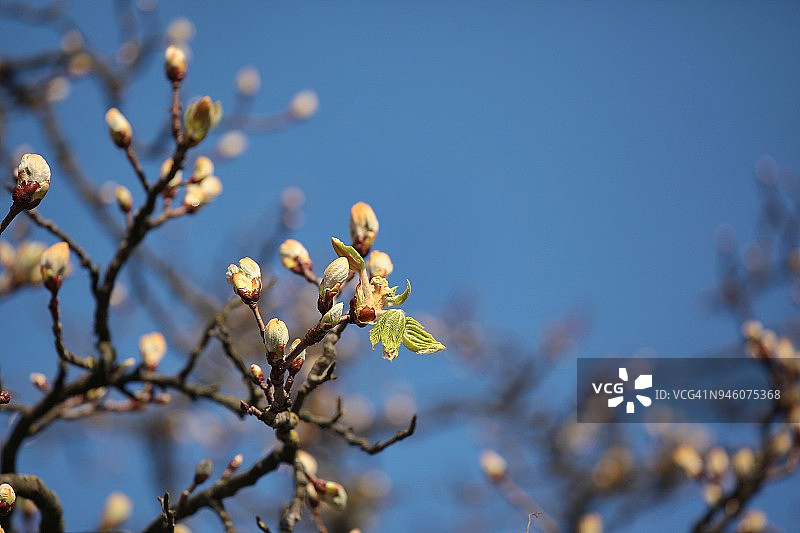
401	298
389	330
416	339
353	257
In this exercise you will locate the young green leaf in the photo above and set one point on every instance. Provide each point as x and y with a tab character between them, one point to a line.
353	257
401	298
416	339
389	331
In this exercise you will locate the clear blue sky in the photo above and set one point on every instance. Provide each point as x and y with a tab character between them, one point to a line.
547	155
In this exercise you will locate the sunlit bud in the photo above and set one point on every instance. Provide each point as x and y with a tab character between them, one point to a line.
752	330
175	63
712	492
308	462
334	495
245	279
5	397
716	462
119	128
33	181
493	465
297	362
39	381
257	373
152	348
117	510
379	264
180	528
203	168
294	256
754	521
332	279
201	116
688	459
743	462
236	462
276	337
203	471
7	499
363	227
590	523
124	198
53	264
304	105
332	317
248	81
199	194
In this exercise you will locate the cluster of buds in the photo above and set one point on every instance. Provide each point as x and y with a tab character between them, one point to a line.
276	337
245	280
294	257
363	227
119	128
201	117
175	63
33	182
54	264
333	280
152	348
493	465
7	499
762	343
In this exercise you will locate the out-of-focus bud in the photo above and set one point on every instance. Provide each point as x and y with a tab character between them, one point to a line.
5	397
117	510
332	279
752	330
308	461
53	264
333	494
180	528
95	394
248	81
201	116
232	144
174	183
152	348
687	458
174	63
743	463
7	499
294	256
493	465
332	317
755	521
127	363
379	264
203	168
712	492
256	373
124	198
203	471
716	462
590	523
304	105
33	181
276	337
245	279
119	128
363	227
297	362
39	381
199	194
236	462
781	443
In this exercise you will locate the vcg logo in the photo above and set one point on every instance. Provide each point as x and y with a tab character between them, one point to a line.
644	381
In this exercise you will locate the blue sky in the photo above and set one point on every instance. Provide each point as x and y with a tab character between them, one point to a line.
546	156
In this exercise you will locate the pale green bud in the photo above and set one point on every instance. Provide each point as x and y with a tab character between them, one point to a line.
203	471
124	198
119	128
332	317
245	279
201	116
334	276
334	495
276	337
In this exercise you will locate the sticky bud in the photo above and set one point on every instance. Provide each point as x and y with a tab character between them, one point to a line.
257	373
363	227
53	265
297	362
117	510
7	499
203	471
304	105
332	317
379	264
493	465
203	168
152	348
201	116
174	63
33	181
245	280
119	128
333	494
294	256
332	279
124	198
276	337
